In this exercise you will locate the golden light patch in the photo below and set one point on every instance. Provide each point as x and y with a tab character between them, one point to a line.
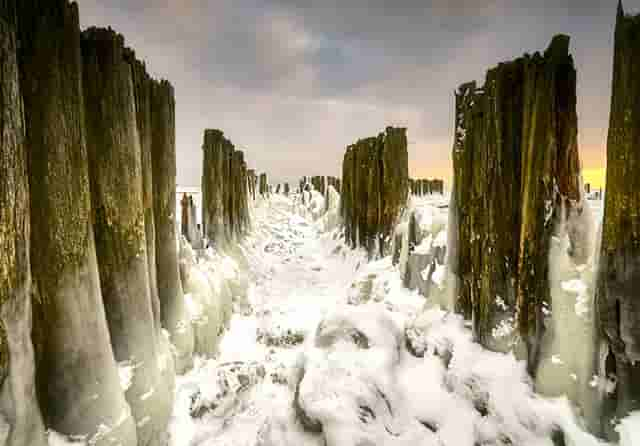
594	176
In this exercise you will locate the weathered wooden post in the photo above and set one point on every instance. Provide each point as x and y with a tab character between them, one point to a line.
617	298
82	392
253	182
226	186
18	402
213	184
163	157
550	179
142	84
264	185
375	187
509	198
115	176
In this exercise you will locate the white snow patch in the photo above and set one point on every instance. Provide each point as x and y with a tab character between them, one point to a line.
57	439
126	371
629	430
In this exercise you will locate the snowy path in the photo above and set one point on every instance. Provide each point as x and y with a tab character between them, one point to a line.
294	279
360	383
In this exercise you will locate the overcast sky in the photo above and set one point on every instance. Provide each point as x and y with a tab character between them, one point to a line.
292	82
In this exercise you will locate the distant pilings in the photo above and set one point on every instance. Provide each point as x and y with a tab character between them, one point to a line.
375	188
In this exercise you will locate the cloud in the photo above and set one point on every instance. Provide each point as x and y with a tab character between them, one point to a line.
294	81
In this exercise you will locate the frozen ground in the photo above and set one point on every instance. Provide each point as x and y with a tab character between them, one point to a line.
328	327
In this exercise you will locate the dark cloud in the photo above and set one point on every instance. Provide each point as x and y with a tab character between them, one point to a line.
294	81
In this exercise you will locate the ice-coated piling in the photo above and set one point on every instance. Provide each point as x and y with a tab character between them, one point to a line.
163	157
617	300
19	410
375	187
77	379
116	180
226	186
142	84
509	194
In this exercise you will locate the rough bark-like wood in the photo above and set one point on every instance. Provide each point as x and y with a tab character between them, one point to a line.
226	186
509	193
18	401
213	185
550	179
115	171
143	84
74	356
143	87
617	298
163	155
487	188
375	186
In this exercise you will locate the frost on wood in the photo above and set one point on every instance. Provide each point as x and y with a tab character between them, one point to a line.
375	186
508	193
18	404
116	179
69	319
617	299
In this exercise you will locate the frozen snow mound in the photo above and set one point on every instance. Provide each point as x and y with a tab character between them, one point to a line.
358	384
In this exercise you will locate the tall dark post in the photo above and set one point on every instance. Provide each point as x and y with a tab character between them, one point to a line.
81	392
550	120
185	212
510	197
375	187
143	84
18	403
163	156
115	171
226	186
264	185
617	298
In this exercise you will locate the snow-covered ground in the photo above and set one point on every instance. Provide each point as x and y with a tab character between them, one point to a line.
322	356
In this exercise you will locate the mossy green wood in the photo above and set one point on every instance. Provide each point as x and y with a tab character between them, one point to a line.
70	329
18	402
116	179
163	156
617	298
142	84
516	169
